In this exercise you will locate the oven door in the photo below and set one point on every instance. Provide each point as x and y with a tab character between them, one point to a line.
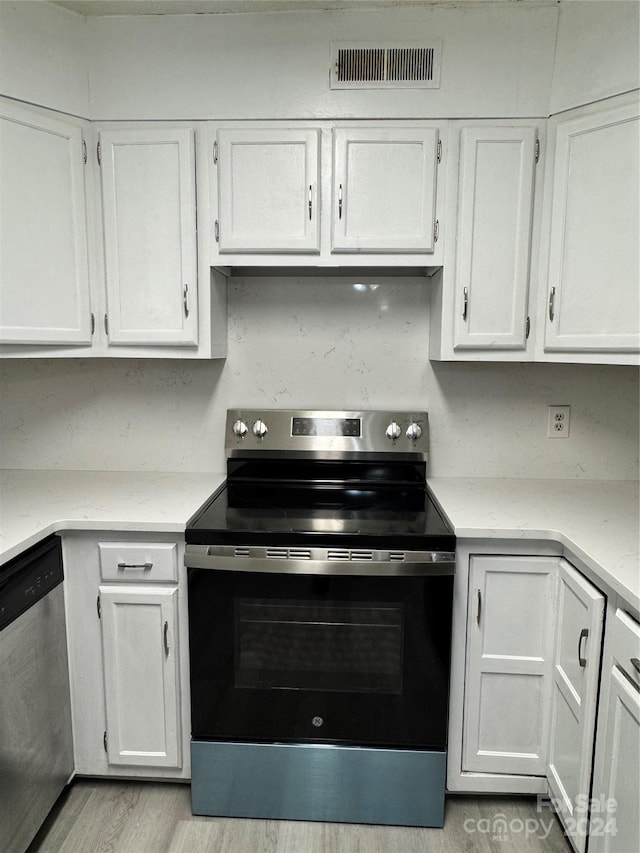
304	658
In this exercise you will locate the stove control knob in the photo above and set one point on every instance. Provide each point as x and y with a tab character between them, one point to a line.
394	431
260	429
240	429
414	431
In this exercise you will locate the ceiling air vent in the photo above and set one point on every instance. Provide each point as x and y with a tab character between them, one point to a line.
391	67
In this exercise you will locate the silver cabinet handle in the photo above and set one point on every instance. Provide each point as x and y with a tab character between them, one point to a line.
185	300
340	202
583	636
635	663
145	566
479	611
166	639
310	203
465	304
552	299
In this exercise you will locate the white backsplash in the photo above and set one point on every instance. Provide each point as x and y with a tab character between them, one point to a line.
319	343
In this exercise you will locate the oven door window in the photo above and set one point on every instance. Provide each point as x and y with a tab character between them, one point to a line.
321	659
319	645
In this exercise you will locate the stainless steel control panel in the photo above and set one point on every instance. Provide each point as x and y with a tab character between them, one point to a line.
326	433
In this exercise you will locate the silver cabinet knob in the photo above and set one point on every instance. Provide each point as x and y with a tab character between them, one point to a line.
414	431
260	429
393	431
240	429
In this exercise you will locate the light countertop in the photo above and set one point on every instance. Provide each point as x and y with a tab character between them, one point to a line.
595	522
34	504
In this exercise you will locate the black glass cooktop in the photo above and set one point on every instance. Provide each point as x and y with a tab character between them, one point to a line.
354	510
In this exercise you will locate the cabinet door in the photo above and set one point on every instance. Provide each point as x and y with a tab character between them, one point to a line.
44	293
576	670
384	187
508	668
268	190
139	635
593	297
495	208
614	824
149	210
620	830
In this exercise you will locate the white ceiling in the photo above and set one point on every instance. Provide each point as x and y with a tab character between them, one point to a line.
194	7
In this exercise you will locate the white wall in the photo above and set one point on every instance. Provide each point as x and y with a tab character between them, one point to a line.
319	343
43	56
311	342
497	60
597	53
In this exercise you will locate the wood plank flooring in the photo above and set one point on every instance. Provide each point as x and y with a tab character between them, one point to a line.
149	817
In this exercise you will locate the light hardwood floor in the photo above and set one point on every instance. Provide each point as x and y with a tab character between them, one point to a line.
148	817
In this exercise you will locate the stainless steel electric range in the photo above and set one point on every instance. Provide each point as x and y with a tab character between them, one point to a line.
320	580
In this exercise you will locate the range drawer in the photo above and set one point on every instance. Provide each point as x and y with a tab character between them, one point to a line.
138	561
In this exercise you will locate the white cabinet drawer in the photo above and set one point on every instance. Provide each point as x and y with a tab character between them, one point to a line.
123	561
625	645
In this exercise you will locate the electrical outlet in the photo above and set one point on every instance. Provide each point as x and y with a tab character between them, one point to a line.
559	420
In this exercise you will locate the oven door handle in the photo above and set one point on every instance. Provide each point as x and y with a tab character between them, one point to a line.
319	561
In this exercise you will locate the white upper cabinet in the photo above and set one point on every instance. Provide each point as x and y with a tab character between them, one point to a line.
481	299
325	194
44	279
103	258
268	190
592	302
149	222
384	189
495	214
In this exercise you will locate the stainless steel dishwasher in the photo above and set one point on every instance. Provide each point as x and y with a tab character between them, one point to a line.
36	748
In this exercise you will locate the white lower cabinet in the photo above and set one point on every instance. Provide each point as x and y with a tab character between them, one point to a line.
139	633
614	823
524	713
576	670
128	662
508	668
